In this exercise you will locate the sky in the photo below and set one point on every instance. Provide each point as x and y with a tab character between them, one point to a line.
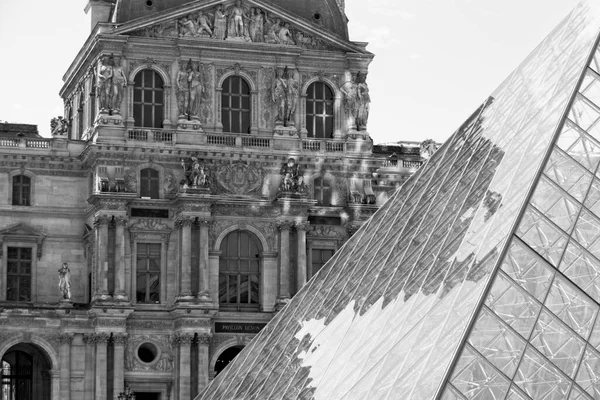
435	61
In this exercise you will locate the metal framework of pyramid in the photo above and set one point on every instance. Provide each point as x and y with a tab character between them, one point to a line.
480	278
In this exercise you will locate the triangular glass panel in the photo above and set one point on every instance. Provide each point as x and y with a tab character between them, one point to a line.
580	146
583	269
540	379
588	376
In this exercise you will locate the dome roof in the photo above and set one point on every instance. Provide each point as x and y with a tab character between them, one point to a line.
326	13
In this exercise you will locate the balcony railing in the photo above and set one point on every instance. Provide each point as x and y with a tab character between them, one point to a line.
28	143
9	142
152	135
256	142
402	164
323	145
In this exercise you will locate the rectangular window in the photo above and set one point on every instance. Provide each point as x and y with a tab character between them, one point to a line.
319	258
18	277
21	191
148	273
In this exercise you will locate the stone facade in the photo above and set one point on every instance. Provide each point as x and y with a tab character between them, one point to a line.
145	214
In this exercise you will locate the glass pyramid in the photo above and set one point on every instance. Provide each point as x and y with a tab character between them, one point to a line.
480	278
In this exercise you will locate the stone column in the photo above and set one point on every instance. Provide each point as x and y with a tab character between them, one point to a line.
301	228
203	361
101	223
185	276
184	341
284	261
89	380
204	292
120	341
120	294
65	340
101	340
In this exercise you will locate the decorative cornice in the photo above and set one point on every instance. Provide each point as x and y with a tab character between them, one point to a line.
120	338
284	225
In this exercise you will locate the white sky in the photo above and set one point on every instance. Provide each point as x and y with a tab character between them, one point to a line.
436	60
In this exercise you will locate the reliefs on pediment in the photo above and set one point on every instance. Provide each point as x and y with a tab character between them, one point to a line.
239	179
238	22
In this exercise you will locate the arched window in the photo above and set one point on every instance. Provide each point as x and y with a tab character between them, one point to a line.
319	110
25	374
322	192
239	271
149	180
148	99
21	190
235	105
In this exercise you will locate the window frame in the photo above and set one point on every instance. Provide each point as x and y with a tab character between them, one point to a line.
321	188
311	120
229	110
158	182
161	237
140	87
148	273
31	178
250	307
23	243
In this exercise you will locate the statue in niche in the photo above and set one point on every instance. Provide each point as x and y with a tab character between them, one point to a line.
293	91
197	91
183	88
364	101
220	23
291	180
285	91
104	83
278	91
237	26
64	282
257	26
350	91
119	83
195	174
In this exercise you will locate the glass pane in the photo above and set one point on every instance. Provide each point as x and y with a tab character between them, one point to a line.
254	289
583	269
141	287
583	113
587	232
223	296
570	176
154	288
475	379
572	306
244	289
233	288
235	102
542	236
511	304
557	343
528	270
555	204
540	379
588	376
592	200
580	146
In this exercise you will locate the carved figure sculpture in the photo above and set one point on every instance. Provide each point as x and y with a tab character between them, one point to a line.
195	175
104	83
350	91
64	282
196	91
183	88
273	31
220	23
237	15
119	83
257	28
364	101
278	90
187	27
291	180
284	35
203	23
291	98
59	126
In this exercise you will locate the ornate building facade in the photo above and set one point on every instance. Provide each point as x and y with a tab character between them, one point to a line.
212	157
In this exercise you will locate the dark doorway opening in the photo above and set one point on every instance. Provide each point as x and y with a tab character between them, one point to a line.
226	357
147	396
25	374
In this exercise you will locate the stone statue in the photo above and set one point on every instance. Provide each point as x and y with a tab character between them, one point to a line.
59	126
237	25
183	88
278	92
220	23
203	24
350	91
119	83
284	35
291	180
196	175
196	79
428	147
187	27
291	98
257	26
64	282
364	101
273	31
104	83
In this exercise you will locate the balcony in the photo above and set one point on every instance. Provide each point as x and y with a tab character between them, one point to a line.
152	135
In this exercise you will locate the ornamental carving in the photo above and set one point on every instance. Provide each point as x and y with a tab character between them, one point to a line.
236	21
164	357
196	174
130	177
292	181
149	225
324	231
266	104
239	179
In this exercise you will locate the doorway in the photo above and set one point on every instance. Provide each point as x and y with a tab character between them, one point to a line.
147	396
226	357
